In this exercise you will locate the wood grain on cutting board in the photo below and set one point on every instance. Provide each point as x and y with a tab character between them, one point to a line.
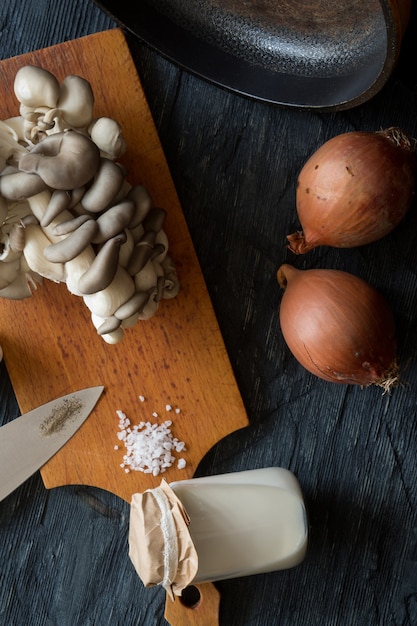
178	357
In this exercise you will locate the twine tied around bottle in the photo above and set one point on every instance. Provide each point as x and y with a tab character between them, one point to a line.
160	544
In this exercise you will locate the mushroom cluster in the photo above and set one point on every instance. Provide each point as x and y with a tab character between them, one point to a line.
68	213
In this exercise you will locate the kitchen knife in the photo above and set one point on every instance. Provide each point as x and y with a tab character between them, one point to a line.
29	441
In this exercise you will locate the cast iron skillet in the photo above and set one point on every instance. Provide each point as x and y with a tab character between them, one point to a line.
321	54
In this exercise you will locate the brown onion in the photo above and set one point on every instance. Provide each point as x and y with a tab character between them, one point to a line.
354	189
338	327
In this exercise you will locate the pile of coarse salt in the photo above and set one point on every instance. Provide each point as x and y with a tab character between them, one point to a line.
150	447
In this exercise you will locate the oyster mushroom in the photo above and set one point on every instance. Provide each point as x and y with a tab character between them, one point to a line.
135	304
146	279
60	200
105	302
10	149
103	269
21	287
68	226
172	283
72	245
113	221
35	86
143	203
76	101
8	272
105	186
20	185
63	160
144	251
68	212
107	134
109	325
36	242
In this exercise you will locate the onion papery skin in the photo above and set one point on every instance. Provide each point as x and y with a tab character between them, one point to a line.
354	190
338	327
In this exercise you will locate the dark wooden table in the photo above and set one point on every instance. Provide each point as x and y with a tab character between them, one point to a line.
63	553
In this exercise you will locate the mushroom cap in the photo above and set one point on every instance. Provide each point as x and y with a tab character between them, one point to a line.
64	160
108	135
76	101
35	86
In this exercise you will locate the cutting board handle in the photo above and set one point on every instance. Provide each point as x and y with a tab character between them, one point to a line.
198	606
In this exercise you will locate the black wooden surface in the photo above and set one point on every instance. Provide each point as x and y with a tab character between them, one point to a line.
63	553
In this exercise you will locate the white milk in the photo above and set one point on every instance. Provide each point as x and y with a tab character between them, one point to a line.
245	522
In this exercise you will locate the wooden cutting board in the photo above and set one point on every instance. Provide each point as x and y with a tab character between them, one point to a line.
177	357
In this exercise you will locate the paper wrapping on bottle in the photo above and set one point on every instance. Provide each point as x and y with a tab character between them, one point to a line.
160	545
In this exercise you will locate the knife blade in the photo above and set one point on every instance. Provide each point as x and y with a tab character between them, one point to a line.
29	441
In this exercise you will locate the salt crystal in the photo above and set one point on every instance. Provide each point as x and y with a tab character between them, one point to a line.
181	463
148	446
168	407
142	398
